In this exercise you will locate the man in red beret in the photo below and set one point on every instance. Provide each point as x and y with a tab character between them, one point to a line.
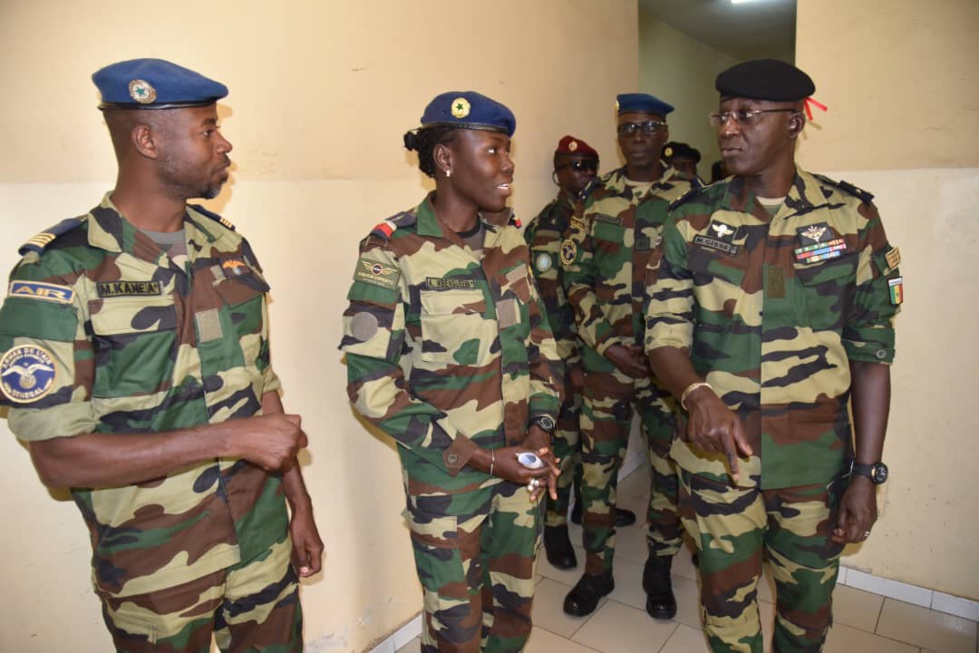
575	165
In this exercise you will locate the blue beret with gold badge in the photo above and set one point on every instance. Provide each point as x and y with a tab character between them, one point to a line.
642	103
468	110
154	84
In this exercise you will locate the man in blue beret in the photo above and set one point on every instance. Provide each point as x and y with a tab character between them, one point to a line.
604	257
135	361
770	319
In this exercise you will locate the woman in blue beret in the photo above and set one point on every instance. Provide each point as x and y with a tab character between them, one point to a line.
449	353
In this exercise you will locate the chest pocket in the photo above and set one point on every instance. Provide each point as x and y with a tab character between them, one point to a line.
720	278
824	291
454	328
240	323
610	250
135	345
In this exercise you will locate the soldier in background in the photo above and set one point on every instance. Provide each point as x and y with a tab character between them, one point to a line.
604	261
770	309
575	165
449	352
683	158
134	354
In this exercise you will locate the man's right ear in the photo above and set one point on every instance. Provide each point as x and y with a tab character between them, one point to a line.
144	142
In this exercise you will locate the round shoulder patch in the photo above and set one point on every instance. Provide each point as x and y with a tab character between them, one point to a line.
569	251
27	373
543	262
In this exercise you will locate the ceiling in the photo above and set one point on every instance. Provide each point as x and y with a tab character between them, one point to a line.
749	30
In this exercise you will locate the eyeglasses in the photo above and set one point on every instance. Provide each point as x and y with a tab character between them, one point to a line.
648	127
742	117
580	165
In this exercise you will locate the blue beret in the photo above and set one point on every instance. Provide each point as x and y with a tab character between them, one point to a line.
641	103
154	84
765	79
468	110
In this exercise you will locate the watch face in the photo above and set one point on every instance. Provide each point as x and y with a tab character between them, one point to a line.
879	473
545	422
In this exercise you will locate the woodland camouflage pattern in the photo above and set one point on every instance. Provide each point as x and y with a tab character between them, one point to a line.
544	235
604	260
174	349
773	335
448	350
772	326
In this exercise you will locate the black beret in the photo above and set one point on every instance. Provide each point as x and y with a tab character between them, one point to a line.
765	79
677	150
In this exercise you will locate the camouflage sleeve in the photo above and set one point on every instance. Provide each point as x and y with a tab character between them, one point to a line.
373	340
578	262
669	300
270	380
868	333
546	367
46	358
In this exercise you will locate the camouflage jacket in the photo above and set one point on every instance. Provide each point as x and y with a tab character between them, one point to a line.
604	259
101	333
544	235
771	310
447	348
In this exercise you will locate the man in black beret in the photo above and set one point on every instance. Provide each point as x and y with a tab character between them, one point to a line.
683	158
770	313
135	356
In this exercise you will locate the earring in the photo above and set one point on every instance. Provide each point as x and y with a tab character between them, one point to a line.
448	173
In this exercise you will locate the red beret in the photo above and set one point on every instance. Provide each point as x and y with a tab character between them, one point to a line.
572	145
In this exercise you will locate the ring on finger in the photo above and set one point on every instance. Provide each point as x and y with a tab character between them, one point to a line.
866	534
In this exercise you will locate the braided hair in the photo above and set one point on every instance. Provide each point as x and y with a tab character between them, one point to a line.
424	141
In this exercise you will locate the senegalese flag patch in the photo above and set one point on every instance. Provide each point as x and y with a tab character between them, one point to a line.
896	287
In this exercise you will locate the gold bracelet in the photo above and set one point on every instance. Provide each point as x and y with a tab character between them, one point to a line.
691	388
492	460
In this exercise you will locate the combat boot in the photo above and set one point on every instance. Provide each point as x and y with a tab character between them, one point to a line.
658	585
557	546
584	597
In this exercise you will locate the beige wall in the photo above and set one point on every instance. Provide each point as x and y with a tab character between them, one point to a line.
321	92
680	70
899	77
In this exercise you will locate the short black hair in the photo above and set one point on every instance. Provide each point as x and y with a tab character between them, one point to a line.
424	141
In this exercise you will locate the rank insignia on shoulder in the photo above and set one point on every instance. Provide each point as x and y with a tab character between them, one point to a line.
896	288
893	257
27	373
49	292
690	194
376	273
39	242
569	251
213	216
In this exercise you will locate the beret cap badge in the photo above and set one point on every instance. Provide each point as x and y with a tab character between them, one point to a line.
460	107
573	145
142	92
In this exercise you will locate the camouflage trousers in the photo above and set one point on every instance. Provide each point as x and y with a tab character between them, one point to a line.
606	419
733	529
475	554
566	443
253	606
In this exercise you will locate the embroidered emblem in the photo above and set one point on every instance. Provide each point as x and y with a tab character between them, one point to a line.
128	288
722	230
450	283
27	373
47	291
376	273
893	257
720	236
460	107
569	252
234	267
142	92
814	233
896	288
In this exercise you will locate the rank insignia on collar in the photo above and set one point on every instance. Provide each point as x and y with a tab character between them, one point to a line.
27	373
460	107
142	92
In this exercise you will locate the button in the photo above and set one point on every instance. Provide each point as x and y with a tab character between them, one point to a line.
452	458
882	353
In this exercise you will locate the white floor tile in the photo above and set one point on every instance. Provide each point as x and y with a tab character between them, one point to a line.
542	641
686	640
628	584
548	610
843	639
618	628
567	576
926	628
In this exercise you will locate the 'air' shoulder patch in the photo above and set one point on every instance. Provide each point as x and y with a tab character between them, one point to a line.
49	292
376	273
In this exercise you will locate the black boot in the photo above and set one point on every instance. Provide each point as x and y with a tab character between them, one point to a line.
584	597
576	510
557	546
658	585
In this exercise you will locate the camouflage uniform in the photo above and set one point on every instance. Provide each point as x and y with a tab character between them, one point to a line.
448	350
544	235
772	310
604	262
122	340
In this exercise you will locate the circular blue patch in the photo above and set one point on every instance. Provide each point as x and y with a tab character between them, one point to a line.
27	373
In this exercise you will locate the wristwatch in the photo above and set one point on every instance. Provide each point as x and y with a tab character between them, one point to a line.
876	472
545	422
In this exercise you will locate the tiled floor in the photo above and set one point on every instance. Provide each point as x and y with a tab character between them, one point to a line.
864	622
